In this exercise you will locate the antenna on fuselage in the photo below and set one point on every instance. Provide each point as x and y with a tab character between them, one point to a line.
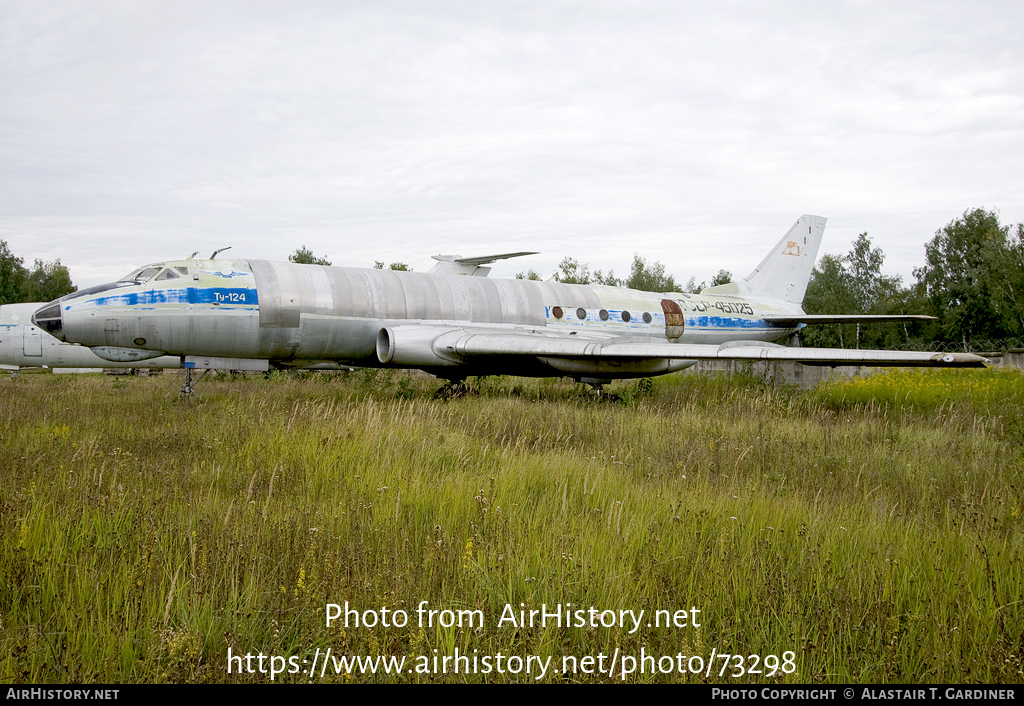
218	252
192	255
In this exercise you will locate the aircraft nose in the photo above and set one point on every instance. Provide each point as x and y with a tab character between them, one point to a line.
49	319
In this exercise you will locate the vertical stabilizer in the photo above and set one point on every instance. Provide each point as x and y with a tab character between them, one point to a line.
786	270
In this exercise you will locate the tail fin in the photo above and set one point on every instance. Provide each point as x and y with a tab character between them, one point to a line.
786	270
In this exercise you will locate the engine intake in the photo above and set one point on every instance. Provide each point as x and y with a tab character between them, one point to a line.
416	346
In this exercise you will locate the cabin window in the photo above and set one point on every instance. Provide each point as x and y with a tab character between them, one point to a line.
603	314
625	316
581	313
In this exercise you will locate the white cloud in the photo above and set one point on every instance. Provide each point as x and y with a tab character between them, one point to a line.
692	133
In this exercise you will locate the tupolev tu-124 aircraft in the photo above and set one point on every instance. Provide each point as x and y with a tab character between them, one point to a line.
250	314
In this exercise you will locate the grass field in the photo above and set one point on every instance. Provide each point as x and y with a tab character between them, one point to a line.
868	531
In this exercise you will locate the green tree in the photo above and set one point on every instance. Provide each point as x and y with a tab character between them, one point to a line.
398	266
723	277
864	265
570	271
650	277
854	284
691	286
45	282
973	278
305	256
609	279
1008	290
829	291
48	281
531	275
12	276
898	300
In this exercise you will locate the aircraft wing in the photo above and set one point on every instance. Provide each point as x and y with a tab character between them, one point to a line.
456	344
844	318
475	344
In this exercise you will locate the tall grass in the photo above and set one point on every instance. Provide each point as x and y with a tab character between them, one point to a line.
874	532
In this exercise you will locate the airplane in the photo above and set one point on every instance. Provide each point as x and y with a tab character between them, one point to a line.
23	345
249	314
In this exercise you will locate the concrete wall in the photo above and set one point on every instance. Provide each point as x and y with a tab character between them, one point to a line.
807	376
1013	358
780	372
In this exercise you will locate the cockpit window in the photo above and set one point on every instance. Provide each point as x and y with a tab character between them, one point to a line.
182	270
141	275
166	274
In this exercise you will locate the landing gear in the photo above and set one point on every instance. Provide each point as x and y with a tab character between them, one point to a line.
454	389
189	388
596	390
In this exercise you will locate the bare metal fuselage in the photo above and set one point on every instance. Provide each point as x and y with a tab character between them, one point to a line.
297	314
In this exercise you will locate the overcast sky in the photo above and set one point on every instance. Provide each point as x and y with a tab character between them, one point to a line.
691	133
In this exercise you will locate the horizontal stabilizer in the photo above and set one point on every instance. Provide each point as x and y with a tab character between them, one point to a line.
471	266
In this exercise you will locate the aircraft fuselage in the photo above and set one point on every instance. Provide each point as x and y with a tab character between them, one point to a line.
296	314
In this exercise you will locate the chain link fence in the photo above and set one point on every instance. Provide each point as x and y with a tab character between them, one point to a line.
978	345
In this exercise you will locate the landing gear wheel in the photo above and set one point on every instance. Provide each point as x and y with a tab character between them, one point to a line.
454	389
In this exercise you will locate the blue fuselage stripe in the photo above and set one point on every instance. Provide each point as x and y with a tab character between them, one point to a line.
720	322
190	295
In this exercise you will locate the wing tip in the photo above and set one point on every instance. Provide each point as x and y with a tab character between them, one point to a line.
959	360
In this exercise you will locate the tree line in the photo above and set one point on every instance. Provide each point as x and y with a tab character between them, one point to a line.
305	256
643	275
44	282
649	277
972	282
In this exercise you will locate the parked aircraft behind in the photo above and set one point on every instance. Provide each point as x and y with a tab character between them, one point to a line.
247	314
23	345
